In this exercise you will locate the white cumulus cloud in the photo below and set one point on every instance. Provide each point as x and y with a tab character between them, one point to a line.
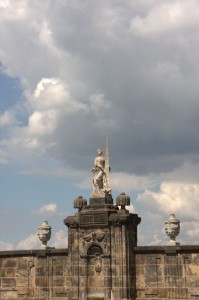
179	198
50	102
7	119
48	209
130	182
4	246
31	242
60	239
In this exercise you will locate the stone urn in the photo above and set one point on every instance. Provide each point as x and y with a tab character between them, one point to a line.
79	203
44	233
122	200
172	229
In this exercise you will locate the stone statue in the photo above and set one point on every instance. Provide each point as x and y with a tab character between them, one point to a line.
44	233
172	229
100	184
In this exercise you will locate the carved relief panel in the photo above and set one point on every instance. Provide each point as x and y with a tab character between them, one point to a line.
93	238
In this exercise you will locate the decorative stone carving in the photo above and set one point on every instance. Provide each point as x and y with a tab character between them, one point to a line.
94	238
44	233
172	228
72	224
79	203
122	200
98	264
117	222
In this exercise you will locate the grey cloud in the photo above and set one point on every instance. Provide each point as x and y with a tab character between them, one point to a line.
151	83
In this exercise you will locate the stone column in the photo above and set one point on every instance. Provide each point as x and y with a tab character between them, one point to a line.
124	266
123	239
116	260
73	251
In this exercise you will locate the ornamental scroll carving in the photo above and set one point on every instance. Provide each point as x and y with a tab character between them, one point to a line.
98	264
91	239
71	222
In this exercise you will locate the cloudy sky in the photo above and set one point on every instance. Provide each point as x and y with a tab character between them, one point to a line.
73	72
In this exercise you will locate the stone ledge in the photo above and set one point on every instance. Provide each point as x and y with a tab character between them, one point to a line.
166	249
5	289
35	298
29	298
36	252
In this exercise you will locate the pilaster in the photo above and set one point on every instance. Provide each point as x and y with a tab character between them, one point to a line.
123	239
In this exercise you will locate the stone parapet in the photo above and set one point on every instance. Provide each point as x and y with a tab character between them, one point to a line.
34	252
167	249
34	274
167	272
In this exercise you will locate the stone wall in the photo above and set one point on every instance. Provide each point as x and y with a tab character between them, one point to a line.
167	272
34	274
161	273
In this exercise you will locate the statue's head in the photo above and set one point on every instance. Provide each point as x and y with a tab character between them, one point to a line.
172	226
99	152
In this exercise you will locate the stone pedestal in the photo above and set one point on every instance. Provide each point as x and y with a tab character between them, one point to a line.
101	241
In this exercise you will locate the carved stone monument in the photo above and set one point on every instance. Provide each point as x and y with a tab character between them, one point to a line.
172	228
101	241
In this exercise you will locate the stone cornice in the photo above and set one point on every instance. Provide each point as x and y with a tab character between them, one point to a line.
35	252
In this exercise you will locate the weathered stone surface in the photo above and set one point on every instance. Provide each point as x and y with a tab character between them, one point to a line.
174	276
27	275
58	281
10	262
8	282
22	281
7	272
53	274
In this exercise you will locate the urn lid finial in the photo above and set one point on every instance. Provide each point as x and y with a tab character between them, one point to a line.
122	200
80	202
